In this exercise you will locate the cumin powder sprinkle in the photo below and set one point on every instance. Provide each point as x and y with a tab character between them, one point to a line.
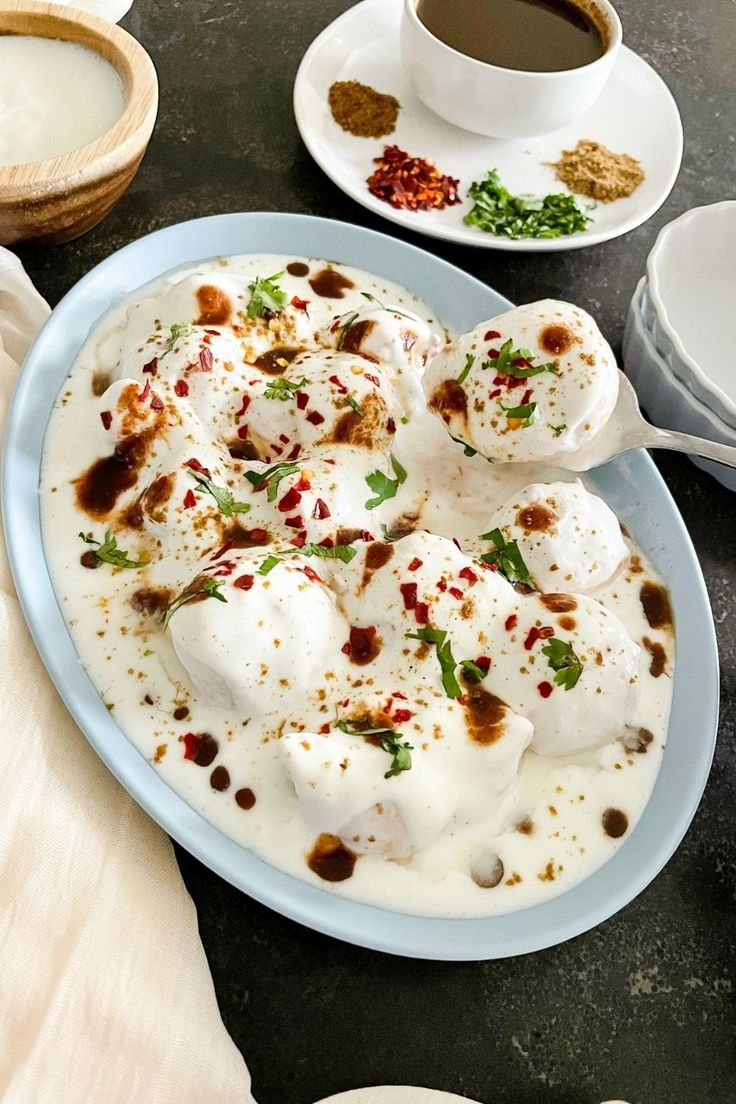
361	110
593	170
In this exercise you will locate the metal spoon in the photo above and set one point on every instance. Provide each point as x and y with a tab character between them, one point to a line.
627	429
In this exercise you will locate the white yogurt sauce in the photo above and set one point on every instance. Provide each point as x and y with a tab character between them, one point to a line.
481	822
55	96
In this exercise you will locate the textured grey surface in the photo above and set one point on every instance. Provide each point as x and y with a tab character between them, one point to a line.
643	1007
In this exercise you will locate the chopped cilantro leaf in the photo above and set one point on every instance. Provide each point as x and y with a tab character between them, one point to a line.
224	498
268	564
383	486
266	296
469	362
393	310
527	414
271	477
447	663
507	558
558	429
284	389
471	670
179	329
108	551
390	742
210	588
353	402
345	329
562	659
506	363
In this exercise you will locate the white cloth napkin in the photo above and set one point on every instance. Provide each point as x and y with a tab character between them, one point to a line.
114	10
105	992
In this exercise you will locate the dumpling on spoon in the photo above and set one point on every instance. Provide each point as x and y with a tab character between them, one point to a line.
533	384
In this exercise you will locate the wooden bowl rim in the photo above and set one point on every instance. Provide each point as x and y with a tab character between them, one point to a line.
125	138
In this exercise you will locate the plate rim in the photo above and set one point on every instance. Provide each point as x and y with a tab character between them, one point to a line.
461	237
371	926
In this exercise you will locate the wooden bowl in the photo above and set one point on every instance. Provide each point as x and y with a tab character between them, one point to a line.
59	199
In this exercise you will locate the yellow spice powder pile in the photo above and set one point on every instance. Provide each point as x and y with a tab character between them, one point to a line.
593	170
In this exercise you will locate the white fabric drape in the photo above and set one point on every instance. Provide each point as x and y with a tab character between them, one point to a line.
105	991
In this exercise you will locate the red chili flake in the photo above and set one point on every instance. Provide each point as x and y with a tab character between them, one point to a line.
511	622
244	406
366	536
205	360
151	367
398	694
291	499
242	432
294	452
339	385
456	592
545	689
488	566
346	649
258	536
283	438
302	399
244	582
299	540
491	335
300	304
484	662
207	339
213	333
303	484
441	585
189	500
327	543
469	574
415	564
494	394
500	379
373	379
512	383
194	463
409	594
157	403
106	418
526	397
521	362
324	729
311	573
145	392
277	449
225	568
422	613
295	522
391	425
181	388
191	744
402	716
320	510
494	354
536	634
315	417
412	183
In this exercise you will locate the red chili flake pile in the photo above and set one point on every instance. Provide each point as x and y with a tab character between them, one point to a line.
412	183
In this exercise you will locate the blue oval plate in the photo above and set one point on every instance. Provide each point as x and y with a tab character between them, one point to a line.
630	484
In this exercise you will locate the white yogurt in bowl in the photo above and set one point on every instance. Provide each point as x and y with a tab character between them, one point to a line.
439	685
55	96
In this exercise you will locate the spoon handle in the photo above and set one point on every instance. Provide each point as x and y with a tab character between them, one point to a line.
683	442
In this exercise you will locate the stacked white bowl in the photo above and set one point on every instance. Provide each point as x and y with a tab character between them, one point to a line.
680	339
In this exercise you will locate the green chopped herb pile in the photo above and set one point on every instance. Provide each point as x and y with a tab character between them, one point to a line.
497	211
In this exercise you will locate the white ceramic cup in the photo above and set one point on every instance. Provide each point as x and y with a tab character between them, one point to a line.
504	103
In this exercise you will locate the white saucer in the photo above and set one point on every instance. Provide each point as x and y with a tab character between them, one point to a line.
636	114
396	1094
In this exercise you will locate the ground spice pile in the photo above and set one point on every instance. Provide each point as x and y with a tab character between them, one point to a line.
593	170
412	183
361	110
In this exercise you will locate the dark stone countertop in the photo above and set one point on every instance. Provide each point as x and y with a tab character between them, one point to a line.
642	1008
